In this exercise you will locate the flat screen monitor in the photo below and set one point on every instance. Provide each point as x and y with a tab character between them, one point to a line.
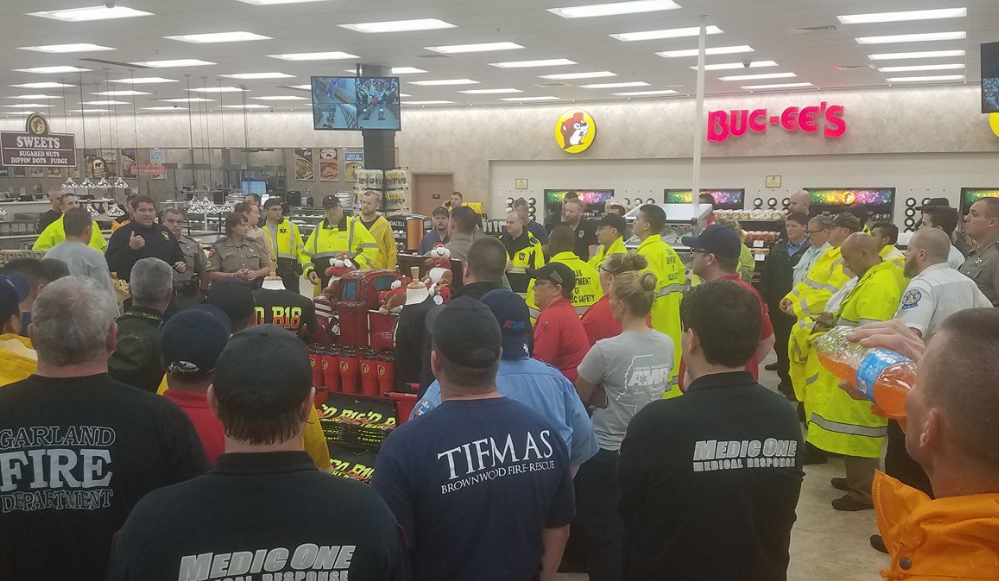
990	77
971	195
258	187
880	202
723	199
593	200
355	103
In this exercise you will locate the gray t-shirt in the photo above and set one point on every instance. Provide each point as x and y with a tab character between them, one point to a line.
634	369
83	260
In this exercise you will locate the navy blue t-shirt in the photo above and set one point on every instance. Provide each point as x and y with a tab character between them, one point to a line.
474	483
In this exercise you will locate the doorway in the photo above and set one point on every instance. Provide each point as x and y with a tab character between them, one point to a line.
430	190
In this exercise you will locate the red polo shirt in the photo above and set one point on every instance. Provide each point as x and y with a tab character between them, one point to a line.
598	320
209	428
560	339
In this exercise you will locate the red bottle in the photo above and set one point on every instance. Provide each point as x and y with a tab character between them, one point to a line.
331	369
349	370
386	373
369	373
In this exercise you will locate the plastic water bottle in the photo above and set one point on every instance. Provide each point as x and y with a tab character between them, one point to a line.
880	375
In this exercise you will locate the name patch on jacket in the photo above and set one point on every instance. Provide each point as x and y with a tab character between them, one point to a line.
308	561
712	455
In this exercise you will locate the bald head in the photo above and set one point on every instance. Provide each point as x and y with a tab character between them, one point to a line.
934	242
860	253
799	201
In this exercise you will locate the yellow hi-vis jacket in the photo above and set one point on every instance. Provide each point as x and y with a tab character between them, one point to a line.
616	247
18	359
286	240
381	231
55	233
839	423
894	255
348	237
670	274
586	292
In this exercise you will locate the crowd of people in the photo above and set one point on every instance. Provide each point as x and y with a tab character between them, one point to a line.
580	406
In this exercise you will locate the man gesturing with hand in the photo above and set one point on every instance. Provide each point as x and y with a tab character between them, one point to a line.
143	238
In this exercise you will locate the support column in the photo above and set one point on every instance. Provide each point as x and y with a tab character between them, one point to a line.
695	186
379	146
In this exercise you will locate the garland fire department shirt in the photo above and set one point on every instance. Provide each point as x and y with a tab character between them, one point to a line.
261	517
709	483
473	484
76	454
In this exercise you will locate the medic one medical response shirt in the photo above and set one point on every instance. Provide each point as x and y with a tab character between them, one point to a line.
473	483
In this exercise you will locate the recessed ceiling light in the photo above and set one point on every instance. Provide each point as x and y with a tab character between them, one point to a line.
52	70
623	85
924	37
315	56
214	37
273	2
736	66
167	108
46	85
112	102
121	93
258	76
28	106
174	63
64	48
708	51
524	99
249	106
479	47
444	82
217	90
34	97
530	64
143	80
490	91
301	87
668	33
929	54
570	76
778	86
407	71
614	9
925	79
757	77
188	100
917	68
281	98
398	25
903	16
646	93
9	113
90	13
89	111
438	102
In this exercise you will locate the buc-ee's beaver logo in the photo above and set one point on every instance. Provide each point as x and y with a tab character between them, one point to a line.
575	131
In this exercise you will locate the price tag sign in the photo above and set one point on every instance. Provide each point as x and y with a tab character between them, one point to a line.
757	244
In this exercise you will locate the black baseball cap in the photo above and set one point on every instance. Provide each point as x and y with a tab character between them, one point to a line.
717	239
233	296
440	211
191	342
555	272
330	202
215	312
614	221
514	319
263	372
934	203
13	290
466	333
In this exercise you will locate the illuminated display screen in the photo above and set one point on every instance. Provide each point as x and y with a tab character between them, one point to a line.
724	199
880	202
971	195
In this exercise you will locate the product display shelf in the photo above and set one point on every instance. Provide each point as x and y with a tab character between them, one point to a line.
408	230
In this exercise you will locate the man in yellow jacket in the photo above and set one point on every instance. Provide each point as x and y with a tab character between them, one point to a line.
286	243
55	232
380	230
666	265
17	359
838	423
587	290
886	235
336	234
610	236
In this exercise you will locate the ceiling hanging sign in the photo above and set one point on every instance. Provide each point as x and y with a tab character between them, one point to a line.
824	119
36	146
575	131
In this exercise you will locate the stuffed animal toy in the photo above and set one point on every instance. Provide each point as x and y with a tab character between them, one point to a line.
339	266
393	300
438	278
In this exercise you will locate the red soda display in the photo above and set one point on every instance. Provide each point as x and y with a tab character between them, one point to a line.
880	375
386	373
317	368
331	369
349	370
369	373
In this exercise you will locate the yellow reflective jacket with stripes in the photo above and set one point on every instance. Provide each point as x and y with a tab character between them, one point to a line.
348	237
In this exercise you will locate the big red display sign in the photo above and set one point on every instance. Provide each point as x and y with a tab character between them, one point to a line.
824	118
37	147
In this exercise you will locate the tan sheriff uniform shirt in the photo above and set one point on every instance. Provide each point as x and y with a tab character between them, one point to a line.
194	258
227	257
982	266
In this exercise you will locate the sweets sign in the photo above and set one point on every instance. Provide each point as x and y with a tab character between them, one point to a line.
36	146
735	123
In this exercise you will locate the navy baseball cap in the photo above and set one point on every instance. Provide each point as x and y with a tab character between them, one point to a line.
263	372
13	290
191	342
514	319
557	273
466	333
614	221
330	202
717	239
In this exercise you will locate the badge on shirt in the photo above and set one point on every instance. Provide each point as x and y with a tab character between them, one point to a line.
581	233
165	235
911	299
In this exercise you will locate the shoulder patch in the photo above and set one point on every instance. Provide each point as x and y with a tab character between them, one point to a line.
911	298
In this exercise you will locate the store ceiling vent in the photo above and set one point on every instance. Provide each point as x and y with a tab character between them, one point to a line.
853	67
115	63
811	30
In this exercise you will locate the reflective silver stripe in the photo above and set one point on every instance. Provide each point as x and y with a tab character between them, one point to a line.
847	429
847	323
836	263
581	310
290	256
805	308
669	289
535	313
350	233
812	379
795	292
517	270
367	245
272	236
865	321
820	286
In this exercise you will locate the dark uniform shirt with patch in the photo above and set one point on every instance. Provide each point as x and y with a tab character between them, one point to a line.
982	266
585	236
160	243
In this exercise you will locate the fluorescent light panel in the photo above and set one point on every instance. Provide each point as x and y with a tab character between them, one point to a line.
923	37
34	97
275	2
334	55
46	85
188	100
925	79
778	86
52	70
479	47
91	13
668	33
174	63
531	64
614	8
444	82
490	91
65	48
918	68
646	93
525	99
217	37
903	16
736	66
257	76
248	106
758	77
623	85
708	51
166	108
143	80
112	102
29	106
407	71
120	93
929	54
438	102
217	90
398	26
281	98
89	111
571	76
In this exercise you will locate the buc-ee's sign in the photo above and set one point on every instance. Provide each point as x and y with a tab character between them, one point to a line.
37	147
824	118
